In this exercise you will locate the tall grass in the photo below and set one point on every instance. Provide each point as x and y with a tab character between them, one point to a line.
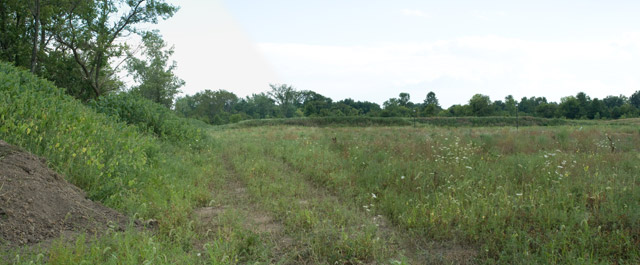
537	195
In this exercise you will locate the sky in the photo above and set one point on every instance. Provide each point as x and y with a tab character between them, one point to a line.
372	50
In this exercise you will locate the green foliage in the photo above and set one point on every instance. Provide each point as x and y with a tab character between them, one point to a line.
635	99
42	35
213	107
97	154
137	173
480	105
287	99
148	116
156	81
361	121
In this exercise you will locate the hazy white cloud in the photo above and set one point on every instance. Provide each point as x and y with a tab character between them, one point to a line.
215	52
485	15
457	68
414	13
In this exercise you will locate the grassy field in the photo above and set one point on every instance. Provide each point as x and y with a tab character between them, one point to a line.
447	195
397	195
315	192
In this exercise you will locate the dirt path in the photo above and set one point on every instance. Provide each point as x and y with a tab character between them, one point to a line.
233	196
307	223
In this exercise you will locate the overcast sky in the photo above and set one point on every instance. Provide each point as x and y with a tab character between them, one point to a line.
373	50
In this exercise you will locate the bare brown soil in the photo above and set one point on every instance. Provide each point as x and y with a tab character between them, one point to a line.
38	204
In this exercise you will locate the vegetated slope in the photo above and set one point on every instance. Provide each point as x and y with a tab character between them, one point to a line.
37	204
108	159
141	174
360	121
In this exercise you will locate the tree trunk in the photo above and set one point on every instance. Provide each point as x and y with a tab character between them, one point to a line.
3	26
36	30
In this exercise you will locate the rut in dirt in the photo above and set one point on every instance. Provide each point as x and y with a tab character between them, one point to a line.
238	199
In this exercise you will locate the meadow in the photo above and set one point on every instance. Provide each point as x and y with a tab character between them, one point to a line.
537	195
329	194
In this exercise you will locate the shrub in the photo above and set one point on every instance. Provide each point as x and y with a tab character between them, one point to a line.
148	116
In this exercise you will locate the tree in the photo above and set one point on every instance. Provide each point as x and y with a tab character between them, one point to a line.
261	106
596	109
458	110
215	107
362	107
613	106
480	105
569	107
510	105
583	101
546	110
156	80
286	97
397	107
634	100
404	99
15	34
431	106
314	104
90	32
431	99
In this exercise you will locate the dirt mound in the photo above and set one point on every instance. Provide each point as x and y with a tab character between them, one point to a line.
37	204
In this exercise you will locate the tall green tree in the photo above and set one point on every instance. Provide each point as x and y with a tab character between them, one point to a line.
634	100
430	106
153	73
510	105
480	105
286	97
91	32
15	36
569	107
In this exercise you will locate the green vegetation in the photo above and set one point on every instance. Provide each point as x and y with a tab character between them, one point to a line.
75	43
122	166
398	121
148	116
299	178
322	194
283	101
536	196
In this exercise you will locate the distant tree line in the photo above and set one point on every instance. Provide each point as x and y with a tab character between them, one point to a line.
284	101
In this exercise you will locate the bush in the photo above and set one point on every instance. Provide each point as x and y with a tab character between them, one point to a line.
148	116
398	121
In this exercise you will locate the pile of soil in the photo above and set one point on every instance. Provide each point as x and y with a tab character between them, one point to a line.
37	204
